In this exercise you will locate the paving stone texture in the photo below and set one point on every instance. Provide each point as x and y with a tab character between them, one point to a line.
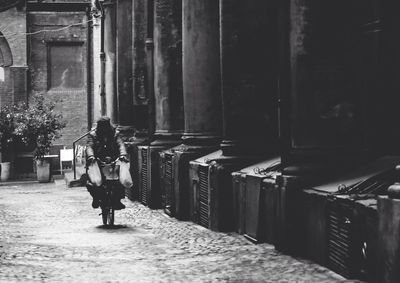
49	233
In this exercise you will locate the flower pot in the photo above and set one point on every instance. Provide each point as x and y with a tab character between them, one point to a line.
43	171
5	171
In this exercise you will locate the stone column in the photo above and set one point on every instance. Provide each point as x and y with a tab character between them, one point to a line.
141	92
201	70
96	68
168	91
249	103
110	57
201	96
140	83
124	65
166	98
249	76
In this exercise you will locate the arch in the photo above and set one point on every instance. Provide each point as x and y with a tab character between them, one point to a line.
6	59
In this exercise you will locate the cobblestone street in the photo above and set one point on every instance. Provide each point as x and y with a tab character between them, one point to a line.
49	233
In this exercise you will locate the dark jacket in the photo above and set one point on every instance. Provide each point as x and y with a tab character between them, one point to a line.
100	148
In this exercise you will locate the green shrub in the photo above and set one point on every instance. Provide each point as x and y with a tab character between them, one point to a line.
38	125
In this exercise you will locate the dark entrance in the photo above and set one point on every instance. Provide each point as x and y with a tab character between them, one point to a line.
339	103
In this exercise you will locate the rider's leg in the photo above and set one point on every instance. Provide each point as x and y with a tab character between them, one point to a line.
119	193
95	193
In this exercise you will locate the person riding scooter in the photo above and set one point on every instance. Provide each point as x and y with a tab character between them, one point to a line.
103	143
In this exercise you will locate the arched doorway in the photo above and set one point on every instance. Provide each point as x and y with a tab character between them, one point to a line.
6	61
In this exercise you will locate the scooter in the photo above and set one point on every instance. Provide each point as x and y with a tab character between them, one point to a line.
110	172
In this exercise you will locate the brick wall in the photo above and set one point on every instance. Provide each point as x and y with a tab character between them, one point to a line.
14	56
19	77
13	27
72	102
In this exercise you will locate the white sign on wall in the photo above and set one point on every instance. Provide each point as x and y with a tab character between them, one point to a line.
1	74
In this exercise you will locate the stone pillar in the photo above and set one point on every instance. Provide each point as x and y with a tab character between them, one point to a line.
124	65
168	88
140	84
249	76
201	70
249	102
141	92
201	96
110	57
167	100
96	68
295	37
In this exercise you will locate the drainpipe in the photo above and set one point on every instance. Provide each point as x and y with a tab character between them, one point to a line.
103	64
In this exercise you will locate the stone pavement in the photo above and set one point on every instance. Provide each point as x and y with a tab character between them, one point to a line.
49	233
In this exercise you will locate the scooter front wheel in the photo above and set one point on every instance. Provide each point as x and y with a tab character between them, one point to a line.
108	216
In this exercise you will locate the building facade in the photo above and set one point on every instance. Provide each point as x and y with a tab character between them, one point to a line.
274	119
47	49
283	107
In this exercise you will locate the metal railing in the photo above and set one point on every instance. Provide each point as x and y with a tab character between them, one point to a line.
73	151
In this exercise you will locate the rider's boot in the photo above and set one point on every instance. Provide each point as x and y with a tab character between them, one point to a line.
119	194
95	203
93	192
118	205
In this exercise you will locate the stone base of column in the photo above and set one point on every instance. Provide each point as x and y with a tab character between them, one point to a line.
150	192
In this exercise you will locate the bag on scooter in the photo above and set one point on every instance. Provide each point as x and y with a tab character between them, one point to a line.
125	177
94	174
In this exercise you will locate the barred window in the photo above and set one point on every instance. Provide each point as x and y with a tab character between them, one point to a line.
66	66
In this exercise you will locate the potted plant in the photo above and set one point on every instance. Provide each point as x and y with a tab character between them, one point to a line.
39	124
7	127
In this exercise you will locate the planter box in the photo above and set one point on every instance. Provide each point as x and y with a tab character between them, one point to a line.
43	170
5	171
